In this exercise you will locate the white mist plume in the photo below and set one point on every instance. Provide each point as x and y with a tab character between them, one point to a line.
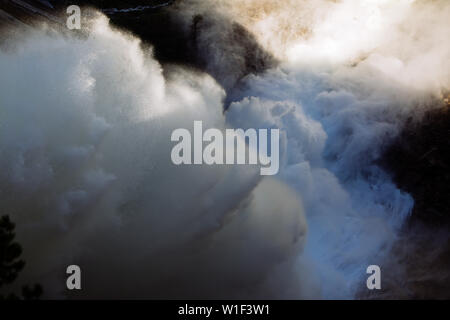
86	174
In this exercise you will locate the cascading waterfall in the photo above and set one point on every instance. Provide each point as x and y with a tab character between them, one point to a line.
85	125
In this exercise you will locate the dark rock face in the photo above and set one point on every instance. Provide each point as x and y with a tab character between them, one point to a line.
159	28
420	163
226	50
24	12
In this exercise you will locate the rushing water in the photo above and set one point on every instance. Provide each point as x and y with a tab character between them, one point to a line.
85	128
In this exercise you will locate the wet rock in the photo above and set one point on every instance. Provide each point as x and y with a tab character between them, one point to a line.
420	163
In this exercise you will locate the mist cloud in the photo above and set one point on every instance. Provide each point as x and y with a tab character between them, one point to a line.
86	151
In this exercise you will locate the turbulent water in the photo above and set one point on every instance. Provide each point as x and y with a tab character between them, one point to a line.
85	126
